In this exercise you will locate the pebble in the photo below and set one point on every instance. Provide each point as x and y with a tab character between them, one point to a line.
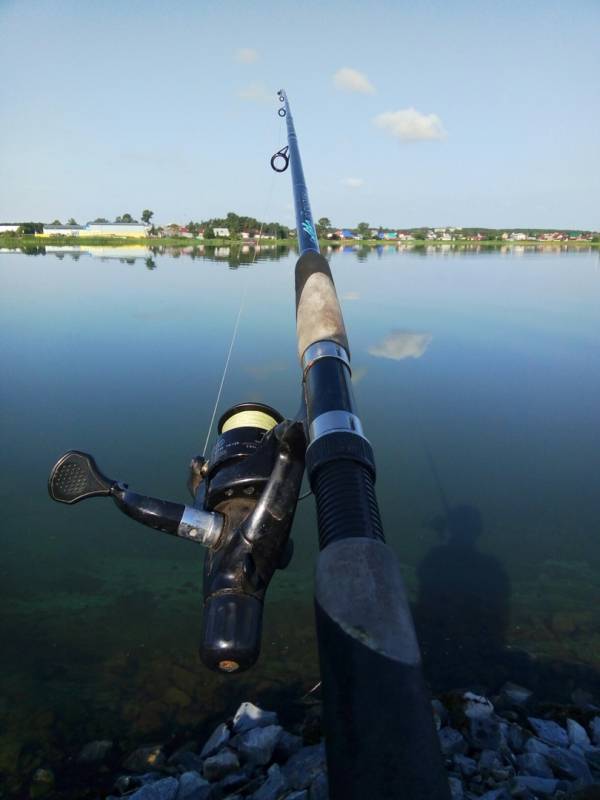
304	766
218	739
549	731
301	795
515	695
273	787
534	764
595	730
456	788
476	707
534	745
451	741
220	765
577	733
496	794
467	766
485	733
569	765
192	787
524	785
256	746
95	752
249	716
286	746
319	788
164	789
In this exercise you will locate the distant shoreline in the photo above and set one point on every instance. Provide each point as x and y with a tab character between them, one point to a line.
31	242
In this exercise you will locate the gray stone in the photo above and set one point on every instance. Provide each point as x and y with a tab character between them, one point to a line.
534	764
577	733
535	745
466	766
235	781
451	741
164	789
145	758
186	761
549	731
515	737
304	766
485	733
220	765
301	795
319	788
568	764
489	760
249	716
595	730
592	756
456	788
525	785
273	787
256	746
515	695
496	794
475	706
193	787
95	752
218	739
286	746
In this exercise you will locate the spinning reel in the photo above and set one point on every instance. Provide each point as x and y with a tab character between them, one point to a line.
245	497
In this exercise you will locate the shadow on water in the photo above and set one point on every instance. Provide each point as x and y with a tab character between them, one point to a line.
462	617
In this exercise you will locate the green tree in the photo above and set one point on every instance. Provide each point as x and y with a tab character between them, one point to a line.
147	215
364	230
125	218
323	226
56	222
101	220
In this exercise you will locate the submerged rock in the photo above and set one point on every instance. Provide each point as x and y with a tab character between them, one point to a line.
569	765
319	788
145	758
192	787
485	733
452	742
515	695
218	739
549	732
577	733
273	787
304	766
220	765
456	788
249	716
534	764
595	730
256	746
476	706
164	789
95	752
525	786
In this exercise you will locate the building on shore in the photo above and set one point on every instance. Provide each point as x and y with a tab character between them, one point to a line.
9	227
120	229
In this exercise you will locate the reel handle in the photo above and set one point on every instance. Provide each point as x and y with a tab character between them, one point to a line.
231	632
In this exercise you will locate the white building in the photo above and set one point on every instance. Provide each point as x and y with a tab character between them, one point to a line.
219	233
5	227
125	229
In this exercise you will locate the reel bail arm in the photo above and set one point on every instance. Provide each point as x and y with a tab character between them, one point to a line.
76	477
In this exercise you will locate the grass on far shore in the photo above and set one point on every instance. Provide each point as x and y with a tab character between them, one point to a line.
30	242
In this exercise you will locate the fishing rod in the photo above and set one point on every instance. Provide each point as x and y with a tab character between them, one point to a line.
379	733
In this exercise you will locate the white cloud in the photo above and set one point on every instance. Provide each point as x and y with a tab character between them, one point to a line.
256	93
409	125
353	183
399	345
351	80
247	55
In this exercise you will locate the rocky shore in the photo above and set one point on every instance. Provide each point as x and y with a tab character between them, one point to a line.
498	748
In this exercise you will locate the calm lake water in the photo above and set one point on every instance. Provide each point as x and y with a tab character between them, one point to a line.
477	380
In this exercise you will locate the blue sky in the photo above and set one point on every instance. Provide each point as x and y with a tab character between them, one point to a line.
408	113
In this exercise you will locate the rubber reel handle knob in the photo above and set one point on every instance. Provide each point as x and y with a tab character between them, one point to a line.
231	631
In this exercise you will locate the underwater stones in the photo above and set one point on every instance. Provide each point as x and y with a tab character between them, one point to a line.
163	789
249	716
595	730
515	737
256	746
218	739
484	733
145	758
456	788
192	787
95	752
465	765
286	746
534	764
186	760
577	733
176	697
273	787
549	731
440	715
42	783
568	764
220	765
301	795
496	794
319	788
451	741
515	695
476	707
526	785
304	766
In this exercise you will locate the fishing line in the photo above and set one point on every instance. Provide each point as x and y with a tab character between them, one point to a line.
239	314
